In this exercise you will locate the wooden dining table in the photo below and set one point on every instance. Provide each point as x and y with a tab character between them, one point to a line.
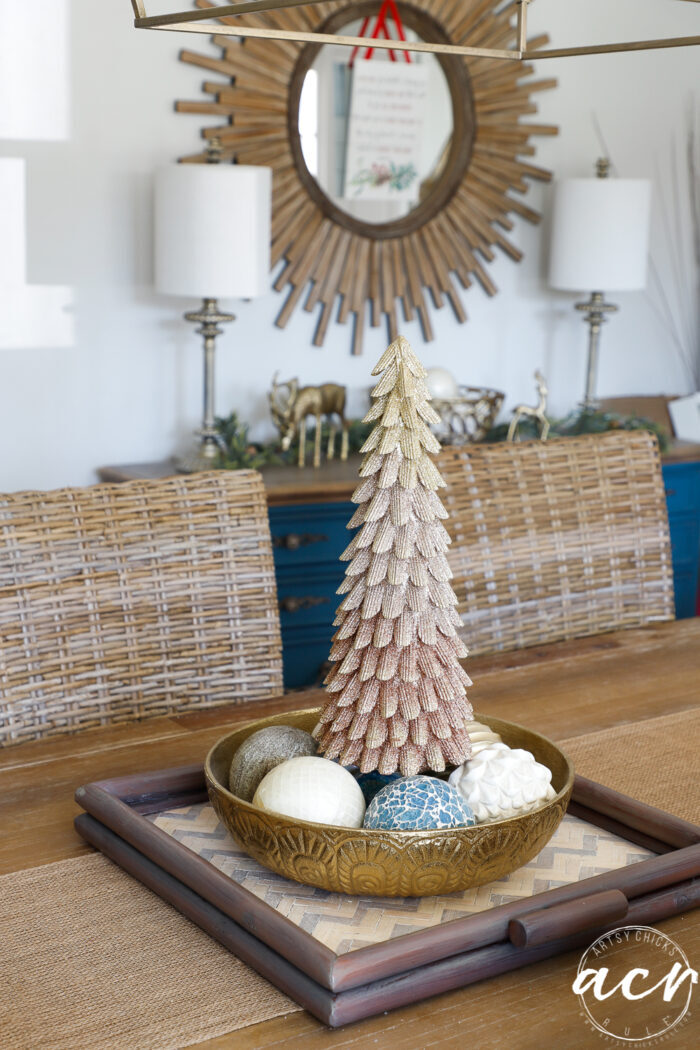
563	690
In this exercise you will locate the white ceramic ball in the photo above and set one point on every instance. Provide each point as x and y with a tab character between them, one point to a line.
313	789
501	782
441	383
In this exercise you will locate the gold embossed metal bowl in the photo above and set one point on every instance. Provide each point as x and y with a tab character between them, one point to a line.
389	863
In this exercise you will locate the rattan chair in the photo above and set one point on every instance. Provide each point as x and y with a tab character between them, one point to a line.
557	540
120	602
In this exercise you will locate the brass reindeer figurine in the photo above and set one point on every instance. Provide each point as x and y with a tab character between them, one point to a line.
289	413
536	412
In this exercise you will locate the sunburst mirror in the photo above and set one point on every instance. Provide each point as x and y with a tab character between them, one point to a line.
354	230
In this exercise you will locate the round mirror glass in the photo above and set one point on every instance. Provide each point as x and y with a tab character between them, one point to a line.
375	126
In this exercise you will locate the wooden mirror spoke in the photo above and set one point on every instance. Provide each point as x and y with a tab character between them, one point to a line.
342	267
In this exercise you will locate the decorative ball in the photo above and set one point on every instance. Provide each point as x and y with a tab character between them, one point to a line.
261	752
312	789
371	783
441	383
418	803
502	782
481	736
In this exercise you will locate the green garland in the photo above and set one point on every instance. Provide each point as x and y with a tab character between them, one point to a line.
585	421
241	452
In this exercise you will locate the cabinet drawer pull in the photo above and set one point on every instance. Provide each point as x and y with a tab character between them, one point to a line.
292	541
293	604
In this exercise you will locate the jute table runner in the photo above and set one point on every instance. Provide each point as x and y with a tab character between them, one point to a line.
656	761
89	958
92	960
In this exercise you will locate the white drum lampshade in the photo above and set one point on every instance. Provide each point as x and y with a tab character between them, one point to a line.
36	36
600	234
212	230
212	241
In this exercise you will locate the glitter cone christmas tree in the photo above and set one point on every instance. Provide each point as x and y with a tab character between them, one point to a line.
397	693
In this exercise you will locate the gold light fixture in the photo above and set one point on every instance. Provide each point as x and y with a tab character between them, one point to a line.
195	21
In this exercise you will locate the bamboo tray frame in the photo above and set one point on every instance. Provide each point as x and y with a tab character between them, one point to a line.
339	989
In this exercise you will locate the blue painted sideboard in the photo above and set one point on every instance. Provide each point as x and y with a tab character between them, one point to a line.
682	482
308	539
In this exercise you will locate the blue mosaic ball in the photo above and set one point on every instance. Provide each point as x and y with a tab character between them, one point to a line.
372	783
418	803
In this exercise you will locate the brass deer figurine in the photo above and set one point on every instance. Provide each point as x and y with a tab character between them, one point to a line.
290	410
537	412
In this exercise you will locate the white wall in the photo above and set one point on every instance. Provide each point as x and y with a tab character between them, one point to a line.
130	388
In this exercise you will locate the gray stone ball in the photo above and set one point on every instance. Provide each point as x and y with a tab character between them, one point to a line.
261	752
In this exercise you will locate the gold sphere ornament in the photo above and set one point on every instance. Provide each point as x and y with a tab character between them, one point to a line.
261	752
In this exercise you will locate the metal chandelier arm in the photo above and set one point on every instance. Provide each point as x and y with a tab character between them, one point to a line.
191	22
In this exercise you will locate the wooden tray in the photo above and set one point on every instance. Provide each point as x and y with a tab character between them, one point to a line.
346	958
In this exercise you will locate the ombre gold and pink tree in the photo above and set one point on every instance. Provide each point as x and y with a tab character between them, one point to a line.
397	692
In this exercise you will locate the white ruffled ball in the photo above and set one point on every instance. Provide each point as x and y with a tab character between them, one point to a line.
501	782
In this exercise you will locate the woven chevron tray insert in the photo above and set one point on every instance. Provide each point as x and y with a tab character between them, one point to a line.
577	850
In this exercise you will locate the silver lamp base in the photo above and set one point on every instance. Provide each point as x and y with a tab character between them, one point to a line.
208	451
595	310
200	457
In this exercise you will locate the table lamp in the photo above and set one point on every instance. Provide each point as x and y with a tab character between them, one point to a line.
600	237
212	240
